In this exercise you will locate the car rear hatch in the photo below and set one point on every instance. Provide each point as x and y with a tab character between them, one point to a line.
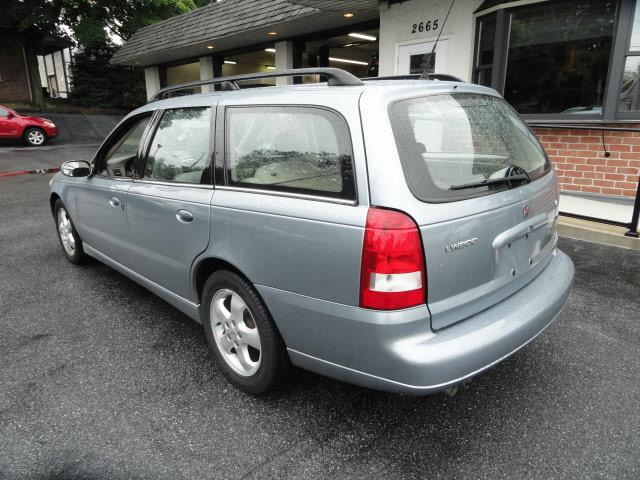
487	199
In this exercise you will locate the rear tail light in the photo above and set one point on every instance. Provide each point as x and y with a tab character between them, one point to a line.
392	274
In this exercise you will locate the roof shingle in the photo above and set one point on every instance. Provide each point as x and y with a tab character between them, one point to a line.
209	23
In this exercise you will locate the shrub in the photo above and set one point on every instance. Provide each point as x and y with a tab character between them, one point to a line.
97	83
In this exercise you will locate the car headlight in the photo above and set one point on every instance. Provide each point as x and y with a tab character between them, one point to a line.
49	123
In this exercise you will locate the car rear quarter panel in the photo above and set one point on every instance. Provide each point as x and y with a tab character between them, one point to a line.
310	247
301	246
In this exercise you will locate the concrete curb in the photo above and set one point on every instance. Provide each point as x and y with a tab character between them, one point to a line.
597	233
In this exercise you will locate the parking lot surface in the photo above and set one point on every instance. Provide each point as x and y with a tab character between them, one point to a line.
100	379
14	156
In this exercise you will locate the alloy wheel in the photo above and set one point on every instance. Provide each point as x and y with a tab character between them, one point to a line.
35	137
235	332
65	230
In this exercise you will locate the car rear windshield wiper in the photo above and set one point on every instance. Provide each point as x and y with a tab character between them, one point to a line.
511	181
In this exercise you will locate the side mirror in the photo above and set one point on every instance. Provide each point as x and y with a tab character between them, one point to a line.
10	115
76	169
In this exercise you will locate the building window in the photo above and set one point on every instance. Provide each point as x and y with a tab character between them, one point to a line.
186	72
553	58
629	97
484	50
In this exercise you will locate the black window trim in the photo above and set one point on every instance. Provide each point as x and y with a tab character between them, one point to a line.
221	163
150	134
622	28
114	137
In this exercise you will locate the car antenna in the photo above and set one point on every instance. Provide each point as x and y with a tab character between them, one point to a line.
428	57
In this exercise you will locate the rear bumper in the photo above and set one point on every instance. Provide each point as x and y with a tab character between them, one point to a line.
397	351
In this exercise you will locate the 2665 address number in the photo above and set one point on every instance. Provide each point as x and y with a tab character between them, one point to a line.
425	26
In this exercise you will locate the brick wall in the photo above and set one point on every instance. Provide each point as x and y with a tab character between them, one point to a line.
579	158
14	85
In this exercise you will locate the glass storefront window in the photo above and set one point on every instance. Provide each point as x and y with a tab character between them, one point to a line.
629	96
356	52
558	56
484	55
187	72
417	63
259	61
629	99
635	33
553	56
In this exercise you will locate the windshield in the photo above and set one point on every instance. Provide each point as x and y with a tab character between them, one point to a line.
446	141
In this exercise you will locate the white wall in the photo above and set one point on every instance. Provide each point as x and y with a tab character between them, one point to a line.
43	72
396	23
58	62
284	61
206	73
152	81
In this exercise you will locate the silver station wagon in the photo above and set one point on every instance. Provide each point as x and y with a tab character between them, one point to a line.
396	233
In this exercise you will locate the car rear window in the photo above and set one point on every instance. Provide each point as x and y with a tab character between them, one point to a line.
446	141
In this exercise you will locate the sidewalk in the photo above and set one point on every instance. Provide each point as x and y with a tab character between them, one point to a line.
605	210
592	231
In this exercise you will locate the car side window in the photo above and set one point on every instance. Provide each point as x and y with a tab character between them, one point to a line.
290	149
121	155
4	112
179	151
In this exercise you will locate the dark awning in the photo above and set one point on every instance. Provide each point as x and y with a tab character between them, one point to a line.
232	24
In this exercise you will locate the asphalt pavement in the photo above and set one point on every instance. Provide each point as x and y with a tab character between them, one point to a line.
14	157
100	379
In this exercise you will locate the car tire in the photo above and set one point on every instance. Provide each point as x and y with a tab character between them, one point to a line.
242	336
69	239
35	137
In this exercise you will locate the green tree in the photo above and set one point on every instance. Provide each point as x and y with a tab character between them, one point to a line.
97	21
97	82
92	23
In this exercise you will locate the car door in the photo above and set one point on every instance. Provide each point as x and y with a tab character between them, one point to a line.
98	203
169	203
8	127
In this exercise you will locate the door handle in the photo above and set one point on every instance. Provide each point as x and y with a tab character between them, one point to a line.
114	202
184	216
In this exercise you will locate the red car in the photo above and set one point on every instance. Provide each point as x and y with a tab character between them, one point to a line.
33	130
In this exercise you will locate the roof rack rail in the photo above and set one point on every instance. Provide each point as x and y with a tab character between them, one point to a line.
416	76
335	78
